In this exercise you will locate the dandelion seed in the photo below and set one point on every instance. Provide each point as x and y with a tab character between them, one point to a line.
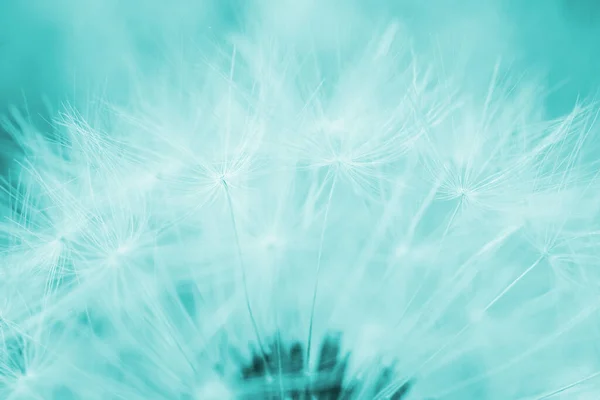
309	214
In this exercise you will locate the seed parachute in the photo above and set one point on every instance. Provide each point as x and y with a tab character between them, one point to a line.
299	206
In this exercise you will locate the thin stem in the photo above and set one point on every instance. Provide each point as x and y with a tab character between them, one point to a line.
316	287
244	277
568	387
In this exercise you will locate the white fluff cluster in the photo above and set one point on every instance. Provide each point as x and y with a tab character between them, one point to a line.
267	187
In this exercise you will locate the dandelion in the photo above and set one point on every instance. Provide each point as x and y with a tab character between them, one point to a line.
292	222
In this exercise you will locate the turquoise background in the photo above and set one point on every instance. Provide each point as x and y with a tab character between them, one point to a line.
57	48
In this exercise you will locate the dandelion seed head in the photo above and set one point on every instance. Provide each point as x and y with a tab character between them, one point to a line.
319	212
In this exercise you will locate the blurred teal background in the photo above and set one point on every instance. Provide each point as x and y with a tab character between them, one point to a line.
65	49
50	47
